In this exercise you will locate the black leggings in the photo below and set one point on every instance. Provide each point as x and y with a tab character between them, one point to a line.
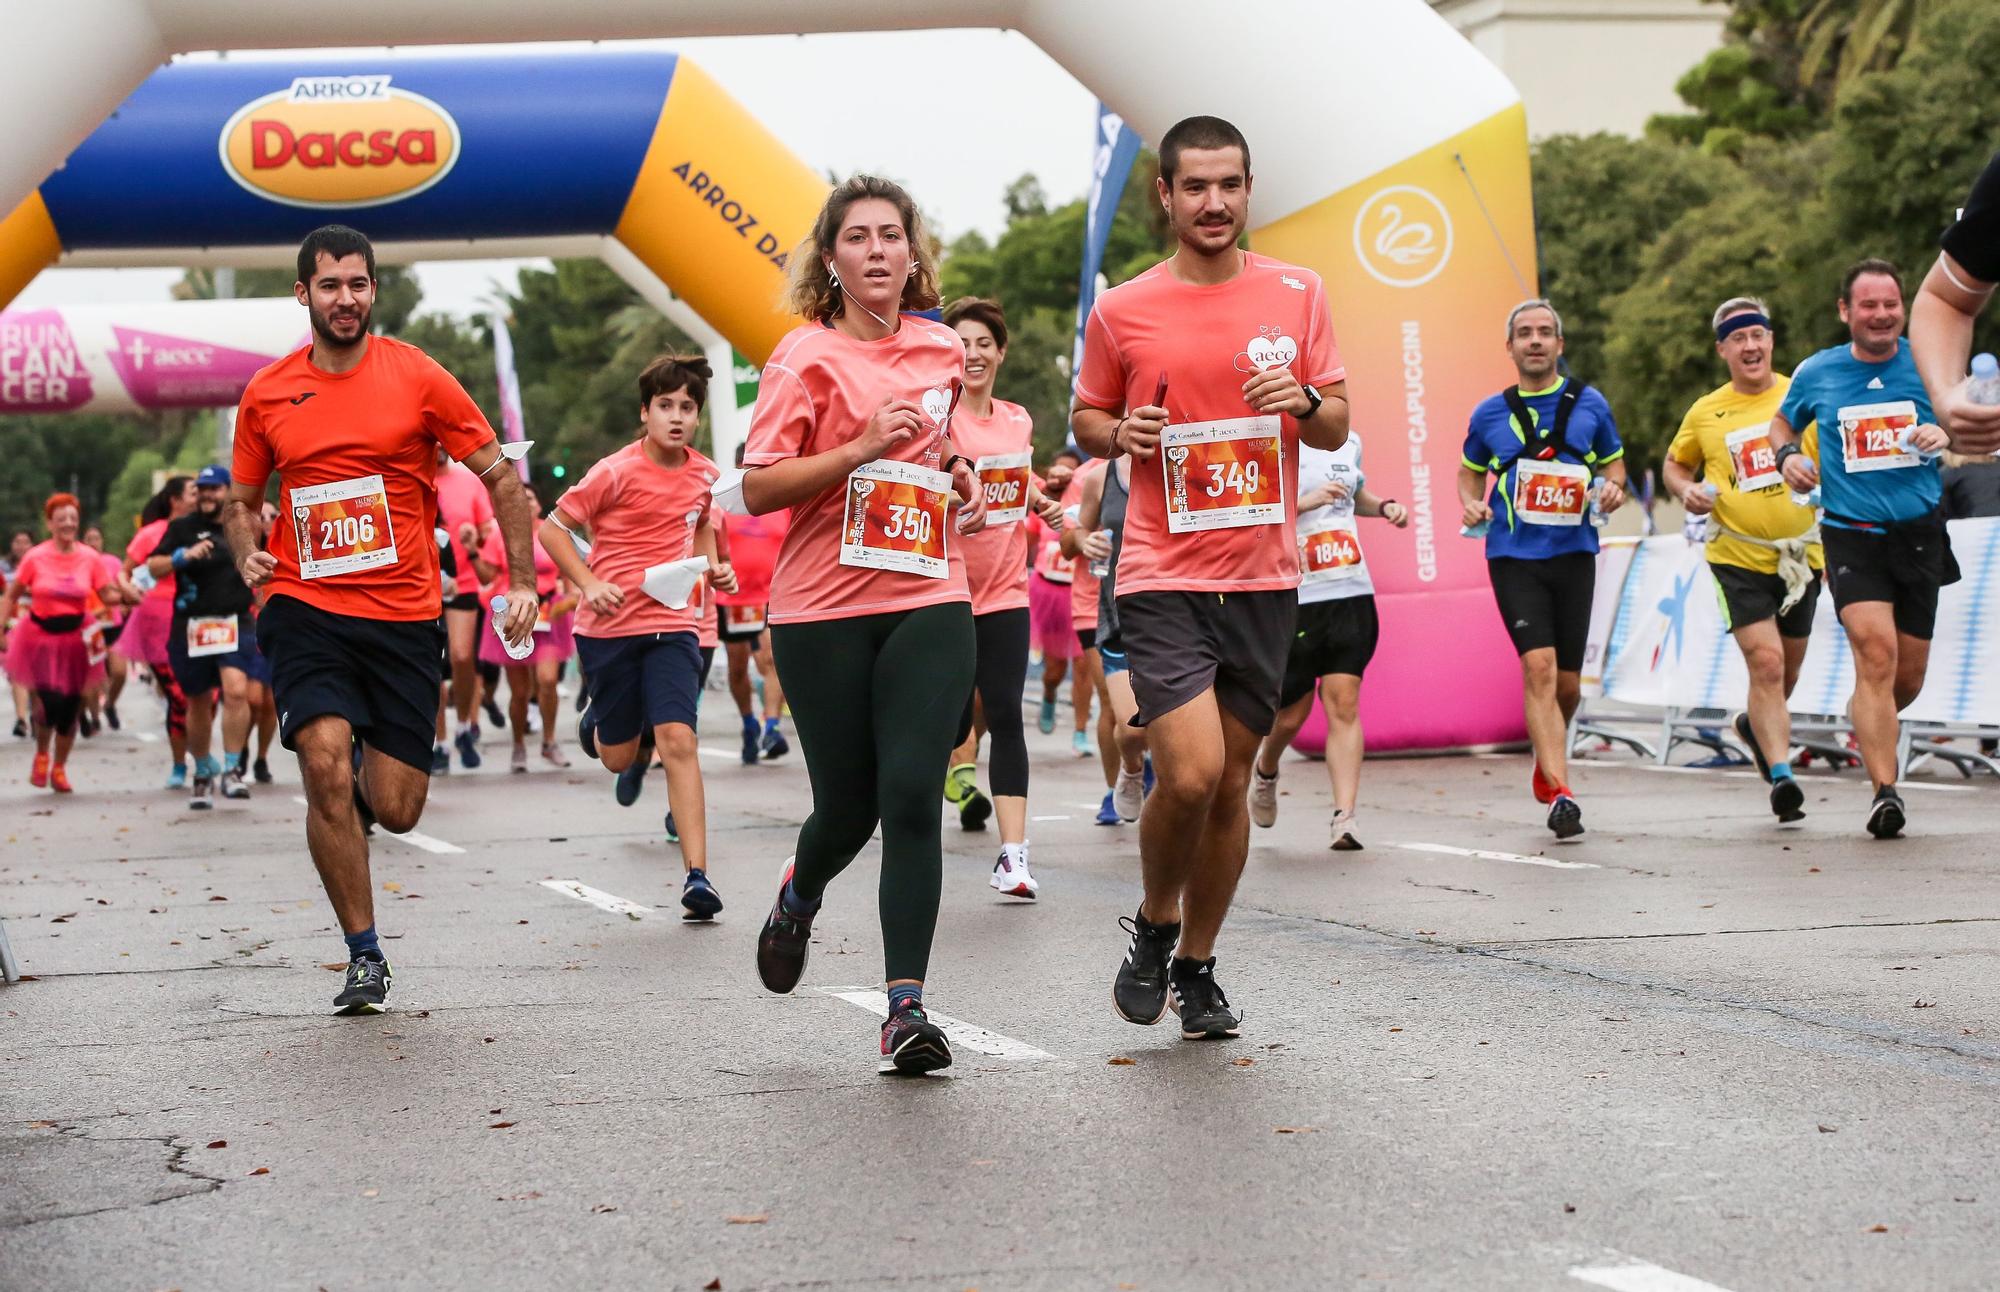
58	711
999	676
874	700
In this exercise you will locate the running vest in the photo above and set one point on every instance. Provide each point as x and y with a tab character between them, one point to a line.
1541	443
1111	516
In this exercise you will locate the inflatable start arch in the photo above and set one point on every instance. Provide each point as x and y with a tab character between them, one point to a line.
1389	156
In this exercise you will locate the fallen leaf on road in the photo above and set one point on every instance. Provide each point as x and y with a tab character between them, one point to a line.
502	1125
1828	1130
1812	870
984	1161
1121	1062
602	1209
1924	1004
1876	1229
529	1196
1296	1130
524	922
1242	1063
371	1193
63	919
713	1285
495	1112
392	886
156	910
489	1040
262	1170
218	1143
757	1219
1427	933
332	964
1569	1208
217	897
1395	1029
40	1125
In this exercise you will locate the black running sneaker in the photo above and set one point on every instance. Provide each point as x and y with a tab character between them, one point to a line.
365	987
913	1045
973	812
1740	724
1565	817
632	780
261	772
699	900
1140	991
1885	818
111	716
1788	800
784	942
1196	996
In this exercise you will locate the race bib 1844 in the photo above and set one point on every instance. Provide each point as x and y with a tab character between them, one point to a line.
1752	460
342	527
1223	475
895	519
1328	554
1871	436
1004	476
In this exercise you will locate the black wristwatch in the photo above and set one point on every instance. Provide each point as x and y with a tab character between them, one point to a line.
1787	451
1315	398
958	457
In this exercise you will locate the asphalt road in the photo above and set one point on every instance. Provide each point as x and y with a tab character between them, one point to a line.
1690	1051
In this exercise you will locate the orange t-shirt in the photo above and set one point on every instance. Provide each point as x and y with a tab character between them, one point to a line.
356	453
641	514
1083	584
1230	464
996	558
753	553
819	389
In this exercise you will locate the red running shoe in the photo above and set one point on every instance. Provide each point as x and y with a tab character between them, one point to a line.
59	779
39	776
1545	789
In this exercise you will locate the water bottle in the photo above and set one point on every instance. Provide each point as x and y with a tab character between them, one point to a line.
1903	443
1806	499
1985	387
499	608
1100	566
1476	531
1596	507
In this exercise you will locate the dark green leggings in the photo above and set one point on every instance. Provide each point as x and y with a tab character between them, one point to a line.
876	701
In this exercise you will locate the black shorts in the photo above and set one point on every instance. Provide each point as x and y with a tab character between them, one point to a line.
754	639
1335	636
640	682
1904	565
462	601
1087	638
1180	644
1546	603
380	675
200	674
1751	596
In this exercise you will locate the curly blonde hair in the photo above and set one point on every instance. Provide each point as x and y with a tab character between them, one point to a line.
809	290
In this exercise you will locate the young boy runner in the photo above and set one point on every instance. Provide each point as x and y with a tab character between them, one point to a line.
645	505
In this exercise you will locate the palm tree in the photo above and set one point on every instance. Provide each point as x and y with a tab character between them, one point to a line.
1868	35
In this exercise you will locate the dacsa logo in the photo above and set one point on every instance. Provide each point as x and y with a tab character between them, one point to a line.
339	141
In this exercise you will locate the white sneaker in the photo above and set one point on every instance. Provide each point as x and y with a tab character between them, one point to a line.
1343	833
520	759
1129	794
1010	876
1263	799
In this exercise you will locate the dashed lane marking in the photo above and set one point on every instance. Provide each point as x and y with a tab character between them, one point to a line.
1487	854
964	1035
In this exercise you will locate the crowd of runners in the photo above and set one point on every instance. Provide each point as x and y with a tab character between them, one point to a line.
890	557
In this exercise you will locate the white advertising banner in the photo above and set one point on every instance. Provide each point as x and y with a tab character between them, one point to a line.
141	358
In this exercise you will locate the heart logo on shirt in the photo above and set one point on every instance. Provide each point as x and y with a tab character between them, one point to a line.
937	403
1270	348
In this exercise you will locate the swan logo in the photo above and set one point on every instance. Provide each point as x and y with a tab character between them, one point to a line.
1402	236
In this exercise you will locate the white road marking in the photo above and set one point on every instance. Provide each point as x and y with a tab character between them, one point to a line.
1061	817
597	897
1487	854
727	755
1631	1275
150	737
965	1035
415	838
1806	781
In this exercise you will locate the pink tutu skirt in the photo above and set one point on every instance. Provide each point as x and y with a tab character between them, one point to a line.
557	644
1049	618
44	661
145	637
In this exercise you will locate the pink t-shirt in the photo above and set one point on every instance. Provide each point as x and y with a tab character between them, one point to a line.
1083	584
641	514
109	570
494	553
753	553
819	389
142	546
996	558
1207	341
462	499
61	583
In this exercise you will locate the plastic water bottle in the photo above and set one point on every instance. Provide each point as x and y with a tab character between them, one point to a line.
1476	531
1903	443
1596	508
1806	499
1101	565
499	608
1985	387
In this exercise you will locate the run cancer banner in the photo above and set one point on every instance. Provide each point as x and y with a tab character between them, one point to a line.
141	358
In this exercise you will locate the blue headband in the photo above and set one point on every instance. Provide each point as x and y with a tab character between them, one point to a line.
1737	322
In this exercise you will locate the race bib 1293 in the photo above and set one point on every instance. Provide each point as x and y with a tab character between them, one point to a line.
1871	436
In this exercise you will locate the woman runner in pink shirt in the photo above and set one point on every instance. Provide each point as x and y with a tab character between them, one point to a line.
871	621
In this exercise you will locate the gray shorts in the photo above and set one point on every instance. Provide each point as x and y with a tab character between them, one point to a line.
1183	643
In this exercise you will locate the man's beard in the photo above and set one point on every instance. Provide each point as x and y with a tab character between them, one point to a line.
323	328
209	509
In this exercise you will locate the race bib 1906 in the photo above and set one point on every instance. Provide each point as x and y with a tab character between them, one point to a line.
1004	476
1752	460
1551	493
895	519
1223	475
342	527
1871	436
1329	553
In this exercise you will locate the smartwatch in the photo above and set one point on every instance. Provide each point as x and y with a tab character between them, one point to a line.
1313	397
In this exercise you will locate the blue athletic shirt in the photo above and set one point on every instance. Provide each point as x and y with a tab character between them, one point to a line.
1494	439
1850	398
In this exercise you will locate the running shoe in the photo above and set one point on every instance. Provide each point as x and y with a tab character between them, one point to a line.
673	830
492	710
775	744
1788	800
364	988
111	717
260	771
1343	833
1565	817
962	787
38	775
553	755
913	1045
1740	724
201	790
586	736
467	743
86	725
1263	799
1129	794
177	779
1107	811
750	749
1080	745
1196	996
632	779
1544	788
785	941
1140	991
518	762
1885	817
20	729
534	720
1011	877
699	900
1046	721
440	760
232	783
59	779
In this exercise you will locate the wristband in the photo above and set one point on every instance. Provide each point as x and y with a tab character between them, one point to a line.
179	558
1117	427
959	457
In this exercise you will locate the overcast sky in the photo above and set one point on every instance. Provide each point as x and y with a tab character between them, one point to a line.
958	157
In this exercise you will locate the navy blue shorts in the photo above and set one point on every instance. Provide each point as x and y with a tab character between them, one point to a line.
380	676
201	673
637	683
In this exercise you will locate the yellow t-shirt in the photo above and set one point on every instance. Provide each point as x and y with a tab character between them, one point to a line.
1724	433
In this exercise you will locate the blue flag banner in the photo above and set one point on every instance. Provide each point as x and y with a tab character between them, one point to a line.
1116	148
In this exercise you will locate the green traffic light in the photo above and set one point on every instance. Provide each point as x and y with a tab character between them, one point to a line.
560	471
